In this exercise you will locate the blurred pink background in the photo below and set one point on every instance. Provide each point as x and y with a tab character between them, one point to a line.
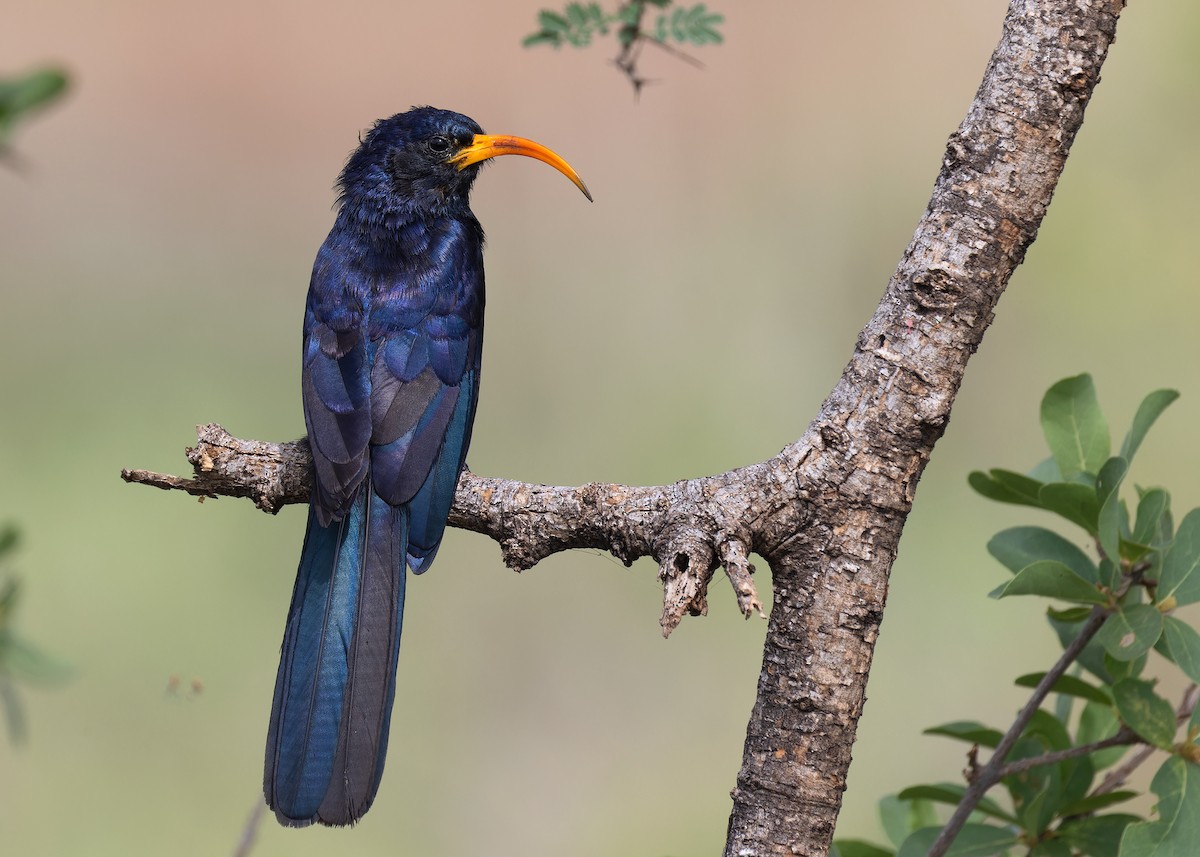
154	254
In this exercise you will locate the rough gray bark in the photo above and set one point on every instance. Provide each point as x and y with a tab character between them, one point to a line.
827	512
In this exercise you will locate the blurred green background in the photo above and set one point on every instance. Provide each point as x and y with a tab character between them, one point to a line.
155	246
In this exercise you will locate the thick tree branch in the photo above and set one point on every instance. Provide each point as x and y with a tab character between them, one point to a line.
859	462
827	512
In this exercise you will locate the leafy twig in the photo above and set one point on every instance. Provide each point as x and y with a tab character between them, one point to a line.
993	771
579	23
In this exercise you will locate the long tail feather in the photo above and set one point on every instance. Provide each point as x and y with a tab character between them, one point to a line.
337	674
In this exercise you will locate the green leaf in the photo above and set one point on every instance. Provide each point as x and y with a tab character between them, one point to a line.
10	537
1046	470
31	90
1177	831
1033	792
1018	547
1096	723
1098	836
22	660
1145	712
1183	644
553	22
1053	579
22	95
1064	703
1122	669
699	25
1152	505
1069	685
1110	575
543	38
1180	576
1077	776
1069	615
1094	803
974	840
1037	793
1074	426
1067	624
660	29
693	24
952	794
858	848
1048	729
901	817
1005	486
1111	519
576	15
1073	501
1148	411
1050	848
1166	529
677	31
1131	631
969	731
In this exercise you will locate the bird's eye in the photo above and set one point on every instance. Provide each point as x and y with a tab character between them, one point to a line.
439	144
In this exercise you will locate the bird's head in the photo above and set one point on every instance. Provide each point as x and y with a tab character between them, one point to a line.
423	162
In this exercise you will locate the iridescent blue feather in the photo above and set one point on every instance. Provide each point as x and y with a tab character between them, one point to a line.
393	334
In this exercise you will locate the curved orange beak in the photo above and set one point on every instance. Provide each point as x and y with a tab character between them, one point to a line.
486	146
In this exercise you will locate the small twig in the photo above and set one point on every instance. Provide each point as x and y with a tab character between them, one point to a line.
673	51
1124	736
1187	705
627	59
250	831
631	51
991	773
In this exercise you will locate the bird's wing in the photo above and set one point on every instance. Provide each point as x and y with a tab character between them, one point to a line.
336	387
424	386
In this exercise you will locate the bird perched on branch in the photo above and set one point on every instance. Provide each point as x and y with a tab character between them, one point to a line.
393	332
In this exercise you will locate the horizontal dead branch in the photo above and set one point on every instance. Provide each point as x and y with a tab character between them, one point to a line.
530	522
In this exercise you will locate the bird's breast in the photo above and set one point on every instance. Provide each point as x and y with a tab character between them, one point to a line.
422	276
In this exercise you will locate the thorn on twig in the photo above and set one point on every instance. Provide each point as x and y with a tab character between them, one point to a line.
971	772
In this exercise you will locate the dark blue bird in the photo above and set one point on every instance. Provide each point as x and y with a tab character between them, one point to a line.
393	332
